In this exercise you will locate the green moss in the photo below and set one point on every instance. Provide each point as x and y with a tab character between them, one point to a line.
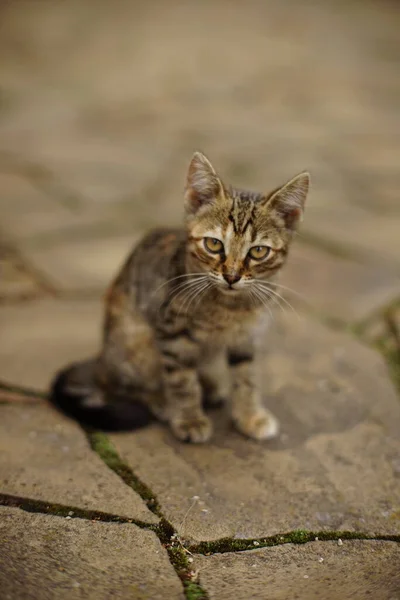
61	510
294	537
194	592
165	531
179	561
100	443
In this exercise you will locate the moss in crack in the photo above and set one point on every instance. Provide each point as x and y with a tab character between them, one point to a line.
299	536
165	531
193	591
100	443
61	510
179	560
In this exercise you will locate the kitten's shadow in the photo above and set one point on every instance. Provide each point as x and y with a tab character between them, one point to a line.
300	419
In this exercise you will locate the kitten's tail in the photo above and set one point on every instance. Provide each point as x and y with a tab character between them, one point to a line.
74	393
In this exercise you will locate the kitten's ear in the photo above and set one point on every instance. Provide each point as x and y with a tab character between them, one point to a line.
203	185
289	199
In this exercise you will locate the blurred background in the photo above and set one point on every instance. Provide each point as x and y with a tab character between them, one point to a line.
102	105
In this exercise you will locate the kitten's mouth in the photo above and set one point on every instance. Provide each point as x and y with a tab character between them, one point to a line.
230	291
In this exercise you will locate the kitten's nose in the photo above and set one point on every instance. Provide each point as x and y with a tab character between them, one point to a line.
231	278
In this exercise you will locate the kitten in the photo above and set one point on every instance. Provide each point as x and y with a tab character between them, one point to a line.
185	315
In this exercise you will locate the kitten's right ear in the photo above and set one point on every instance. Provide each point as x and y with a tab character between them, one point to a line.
203	185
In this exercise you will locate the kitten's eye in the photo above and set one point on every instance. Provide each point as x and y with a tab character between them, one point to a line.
213	245
259	252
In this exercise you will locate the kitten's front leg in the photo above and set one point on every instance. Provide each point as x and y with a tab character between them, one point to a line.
182	389
248	412
214	376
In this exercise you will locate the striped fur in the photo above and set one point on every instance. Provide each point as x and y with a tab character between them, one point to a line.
184	324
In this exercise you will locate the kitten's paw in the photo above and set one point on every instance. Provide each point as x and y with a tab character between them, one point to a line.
261	425
196	430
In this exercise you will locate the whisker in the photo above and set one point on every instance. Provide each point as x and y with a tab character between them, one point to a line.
187	284
275	293
271	297
191	296
260	297
202	293
174	278
284	287
182	288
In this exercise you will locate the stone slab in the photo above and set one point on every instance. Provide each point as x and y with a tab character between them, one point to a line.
39	337
15	281
26	211
269	105
364	233
46	456
52	558
318	570
334	466
82	264
337	287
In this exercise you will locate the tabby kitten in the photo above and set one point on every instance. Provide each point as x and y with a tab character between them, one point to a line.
185	315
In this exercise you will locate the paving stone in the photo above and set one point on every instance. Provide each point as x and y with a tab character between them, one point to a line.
15	281
26	211
269	103
337	287
49	558
76	265
355	228
334	465
358	569
39	337
46	457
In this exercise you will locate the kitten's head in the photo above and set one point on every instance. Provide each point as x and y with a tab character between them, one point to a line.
239	238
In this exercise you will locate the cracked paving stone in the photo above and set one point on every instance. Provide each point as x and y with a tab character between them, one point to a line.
357	569
51	558
45	456
332	467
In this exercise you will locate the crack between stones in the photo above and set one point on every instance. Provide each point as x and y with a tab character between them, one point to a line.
22	392
62	510
300	536
178	551
165	531
101	445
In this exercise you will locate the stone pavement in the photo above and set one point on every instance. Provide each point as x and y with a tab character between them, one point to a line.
100	110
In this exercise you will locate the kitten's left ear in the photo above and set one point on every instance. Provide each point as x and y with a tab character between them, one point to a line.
289	200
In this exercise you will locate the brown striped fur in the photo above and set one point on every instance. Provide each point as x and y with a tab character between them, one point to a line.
183	323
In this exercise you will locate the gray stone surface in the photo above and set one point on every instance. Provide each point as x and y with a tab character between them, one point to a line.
316	571
46	457
333	467
41	336
100	110
16	283
112	117
336	286
51	558
82	265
